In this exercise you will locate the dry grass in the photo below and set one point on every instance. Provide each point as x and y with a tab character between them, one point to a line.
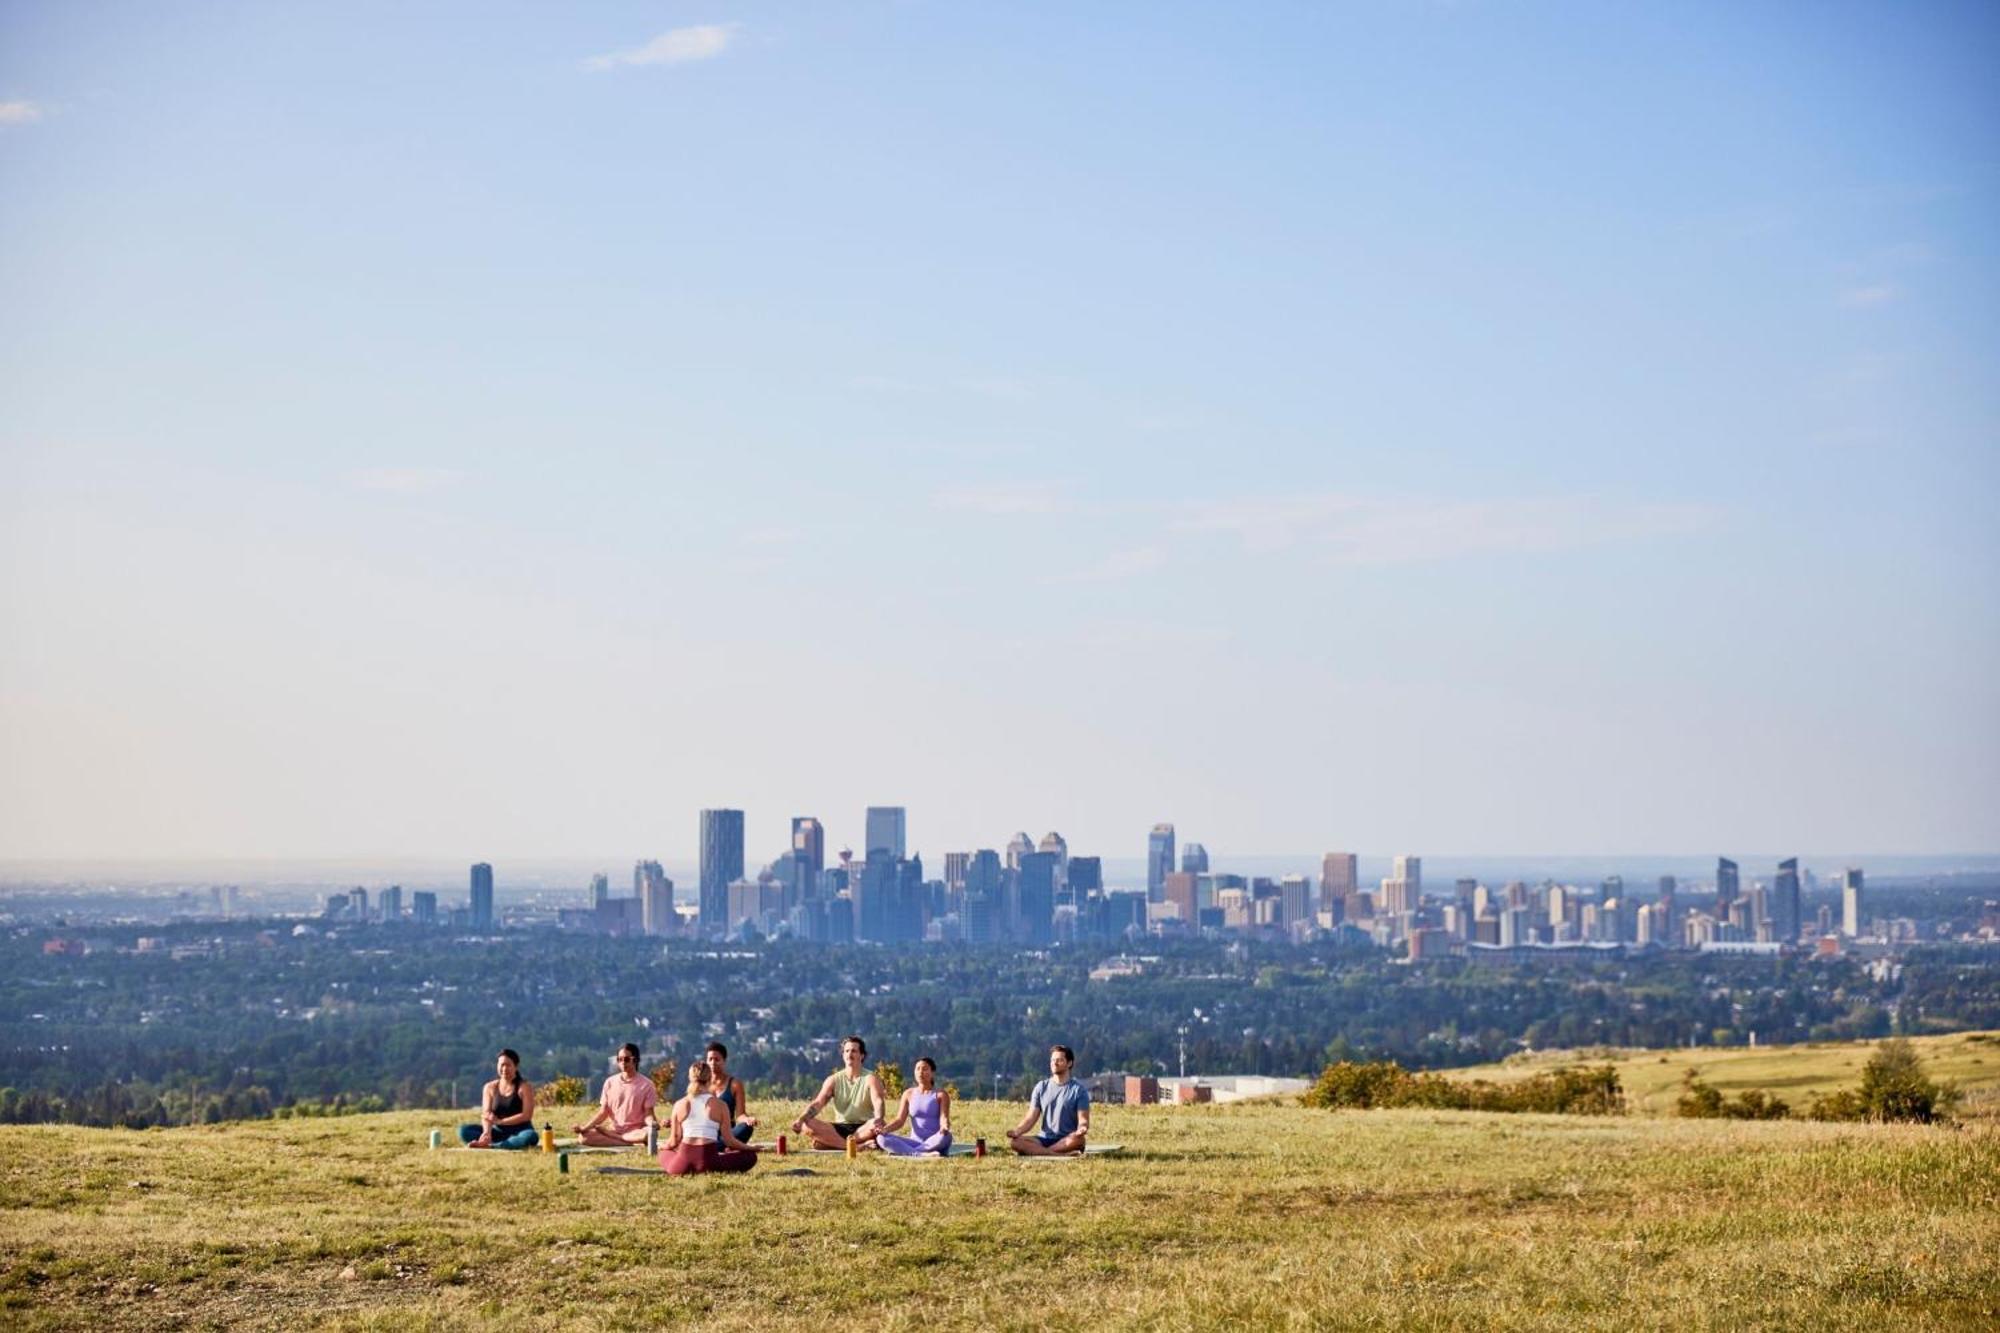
1263	1214
1652	1079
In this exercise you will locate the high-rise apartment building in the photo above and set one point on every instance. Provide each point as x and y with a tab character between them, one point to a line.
1159	861
392	903
424	907
655	893
600	892
721	866
482	896
1727	886
1340	881
1786	917
886	824
1850	903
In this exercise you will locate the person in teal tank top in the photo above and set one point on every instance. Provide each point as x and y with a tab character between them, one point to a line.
854	1099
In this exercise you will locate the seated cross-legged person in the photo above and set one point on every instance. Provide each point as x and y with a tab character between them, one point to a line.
1061	1105
506	1110
928	1112
729	1090
626	1108
699	1138
855	1098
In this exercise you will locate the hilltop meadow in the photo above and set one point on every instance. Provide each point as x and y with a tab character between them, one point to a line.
1266	1215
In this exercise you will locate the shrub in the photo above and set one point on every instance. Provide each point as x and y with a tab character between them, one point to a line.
1894	1086
891	1075
1701	1101
565	1090
1593	1090
663	1075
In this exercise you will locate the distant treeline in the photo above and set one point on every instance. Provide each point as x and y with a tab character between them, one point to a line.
250	1020
1347	1085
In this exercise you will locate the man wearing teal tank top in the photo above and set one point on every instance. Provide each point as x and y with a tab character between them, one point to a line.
856	1098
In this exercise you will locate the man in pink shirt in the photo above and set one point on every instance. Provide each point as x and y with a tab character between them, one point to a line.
627	1107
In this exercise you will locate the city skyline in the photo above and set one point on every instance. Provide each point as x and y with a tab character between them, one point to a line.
1437	427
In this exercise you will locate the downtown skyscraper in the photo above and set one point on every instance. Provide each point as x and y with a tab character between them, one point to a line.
721	866
886	830
482	896
1159	861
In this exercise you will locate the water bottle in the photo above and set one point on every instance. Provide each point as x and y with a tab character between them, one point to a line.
437	1137
652	1138
781	1145
979	1147
562	1162
852	1147
548	1136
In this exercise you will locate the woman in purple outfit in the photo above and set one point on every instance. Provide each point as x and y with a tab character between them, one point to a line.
928	1112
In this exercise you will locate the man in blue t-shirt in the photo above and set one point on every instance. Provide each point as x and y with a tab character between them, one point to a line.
1060	1106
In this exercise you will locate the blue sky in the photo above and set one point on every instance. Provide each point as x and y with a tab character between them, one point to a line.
503	430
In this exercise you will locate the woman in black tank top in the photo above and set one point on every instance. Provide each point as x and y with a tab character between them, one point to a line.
506	1110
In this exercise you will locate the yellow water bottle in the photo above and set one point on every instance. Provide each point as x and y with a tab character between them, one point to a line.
851	1149
548	1136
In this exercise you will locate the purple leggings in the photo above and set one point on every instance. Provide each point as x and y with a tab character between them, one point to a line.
904	1146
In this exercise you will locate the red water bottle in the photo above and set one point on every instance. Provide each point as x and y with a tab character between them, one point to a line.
781	1145
979	1147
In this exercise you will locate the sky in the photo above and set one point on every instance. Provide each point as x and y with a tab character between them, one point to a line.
473	431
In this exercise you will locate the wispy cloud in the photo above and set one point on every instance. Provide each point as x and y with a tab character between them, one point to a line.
19	113
405	480
1352	530
1869	296
1005	497
1119	565
676	46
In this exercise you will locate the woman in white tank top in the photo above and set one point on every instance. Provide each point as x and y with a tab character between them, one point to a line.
699	1137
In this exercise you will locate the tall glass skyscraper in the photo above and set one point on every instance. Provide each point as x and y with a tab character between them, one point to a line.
1727	886
482	896
885	831
721	865
1785	920
1159	862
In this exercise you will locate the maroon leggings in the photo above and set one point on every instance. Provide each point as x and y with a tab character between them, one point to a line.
694	1158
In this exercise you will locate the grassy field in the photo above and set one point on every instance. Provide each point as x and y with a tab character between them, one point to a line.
1652	1079
1263	1215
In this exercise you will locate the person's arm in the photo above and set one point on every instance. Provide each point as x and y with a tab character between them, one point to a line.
743	1102
1083	1119
944	1112
902	1113
725	1133
603	1112
487	1095
813	1107
674	1125
1028	1121
878	1098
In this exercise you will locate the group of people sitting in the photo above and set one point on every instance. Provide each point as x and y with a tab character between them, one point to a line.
709	1128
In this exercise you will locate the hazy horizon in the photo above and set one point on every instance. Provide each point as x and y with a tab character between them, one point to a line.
450	427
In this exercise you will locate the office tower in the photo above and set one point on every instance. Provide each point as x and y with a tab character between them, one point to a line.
1463	891
721	866
1727	886
1850	903
600	892
392	903
482	897
424	908
872	891
984	897
1668	921
1339	881
656	899
1561	906
1180	890
1399	895
1017	847
955	864
1410	869
1159	862
1785	915
1194	859
885	831
358	903
809	841
1295	897
1035	897
1086	876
